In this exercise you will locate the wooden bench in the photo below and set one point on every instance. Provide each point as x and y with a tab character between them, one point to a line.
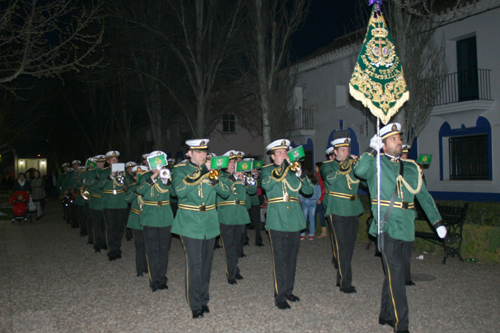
453	219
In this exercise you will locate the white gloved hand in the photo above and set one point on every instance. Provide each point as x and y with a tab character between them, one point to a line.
441	231
376	142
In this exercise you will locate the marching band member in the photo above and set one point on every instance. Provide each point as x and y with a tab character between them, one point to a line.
114	206
343	209
129	180
95	204
197	222
156	220
326	169
253	207
401	183
282	183
233	216
134	219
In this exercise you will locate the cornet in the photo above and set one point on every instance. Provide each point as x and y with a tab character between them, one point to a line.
249	180
214	175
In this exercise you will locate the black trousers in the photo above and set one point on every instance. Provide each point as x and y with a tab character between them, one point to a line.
407	251
332	240
115	220
254	213
73	215
80	217
141	264
394	305
199	255
157	242
99	228
231	236
89	223
345	230
285	248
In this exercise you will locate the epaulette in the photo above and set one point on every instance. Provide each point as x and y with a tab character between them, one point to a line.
329	161
268	165
178	165
105	168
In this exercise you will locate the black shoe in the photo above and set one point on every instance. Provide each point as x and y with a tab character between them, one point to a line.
348	290
112	258
337	284
283	305
410	283
197	314
139	274
129	239
205	309
292	298
97	250
238	276
90	243
246	244
259	244
163	286
155	288
385	322
231	281
217	246
104	247
242	256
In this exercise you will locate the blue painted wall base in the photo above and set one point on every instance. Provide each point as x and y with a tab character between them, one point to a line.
466	196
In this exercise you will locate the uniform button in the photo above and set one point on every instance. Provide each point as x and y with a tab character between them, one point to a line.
287	207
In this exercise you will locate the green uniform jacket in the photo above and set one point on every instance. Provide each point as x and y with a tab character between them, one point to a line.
190	220
156	210
326	168
68	180
284	216
92	182
401	222
341	190
232	210
107	185
133	198
77	183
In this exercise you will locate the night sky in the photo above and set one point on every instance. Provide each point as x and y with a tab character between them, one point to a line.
326	21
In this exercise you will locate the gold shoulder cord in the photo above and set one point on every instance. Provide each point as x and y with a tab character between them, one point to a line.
115	183
345	168
401	181
158	188
140	200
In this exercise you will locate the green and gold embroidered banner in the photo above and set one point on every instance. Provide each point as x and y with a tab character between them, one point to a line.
377	80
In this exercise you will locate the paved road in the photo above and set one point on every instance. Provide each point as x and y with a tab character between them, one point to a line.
51	281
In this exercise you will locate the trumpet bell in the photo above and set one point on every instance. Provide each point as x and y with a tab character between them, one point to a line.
295	166
214	175
85	192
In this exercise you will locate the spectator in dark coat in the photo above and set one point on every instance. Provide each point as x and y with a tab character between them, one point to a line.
22	184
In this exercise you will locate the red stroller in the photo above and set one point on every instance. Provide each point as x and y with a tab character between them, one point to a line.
19	202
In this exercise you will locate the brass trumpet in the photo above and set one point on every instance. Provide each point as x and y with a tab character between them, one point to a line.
295	166
214	175
120	178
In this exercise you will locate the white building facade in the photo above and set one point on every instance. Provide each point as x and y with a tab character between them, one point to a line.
464	128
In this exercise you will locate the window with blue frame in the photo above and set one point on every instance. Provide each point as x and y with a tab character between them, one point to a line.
469	158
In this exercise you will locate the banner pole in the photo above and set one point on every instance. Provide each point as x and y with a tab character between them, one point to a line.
380	244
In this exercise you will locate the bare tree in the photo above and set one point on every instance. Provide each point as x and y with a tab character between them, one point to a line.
45	38
272	23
